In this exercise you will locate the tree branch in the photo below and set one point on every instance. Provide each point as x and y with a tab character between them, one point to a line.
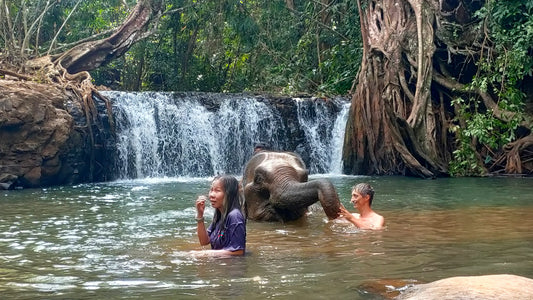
20	76
87	39
499	113
90	55
26	40
62	25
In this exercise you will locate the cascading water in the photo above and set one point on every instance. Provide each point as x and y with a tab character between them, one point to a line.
337	139
323	134
203	134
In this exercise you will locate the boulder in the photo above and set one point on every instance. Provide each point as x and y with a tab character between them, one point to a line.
487	287
44	137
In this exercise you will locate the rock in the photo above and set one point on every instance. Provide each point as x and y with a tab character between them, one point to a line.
386	288
487	287
7	181
44	135
32	178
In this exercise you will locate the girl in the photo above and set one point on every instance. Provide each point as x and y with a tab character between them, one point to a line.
227	232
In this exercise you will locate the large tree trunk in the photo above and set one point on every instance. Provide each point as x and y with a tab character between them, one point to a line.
392	126
90	55
418	56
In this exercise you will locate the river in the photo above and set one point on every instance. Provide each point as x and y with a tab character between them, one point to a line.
133	239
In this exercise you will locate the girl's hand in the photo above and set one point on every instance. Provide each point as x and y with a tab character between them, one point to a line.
200	206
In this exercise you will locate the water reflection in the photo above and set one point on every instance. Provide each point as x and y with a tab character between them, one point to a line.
133	239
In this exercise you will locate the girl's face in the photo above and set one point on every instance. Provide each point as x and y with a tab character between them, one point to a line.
216	194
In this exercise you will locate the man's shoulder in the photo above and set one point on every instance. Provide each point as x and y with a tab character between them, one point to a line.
379	220
376	216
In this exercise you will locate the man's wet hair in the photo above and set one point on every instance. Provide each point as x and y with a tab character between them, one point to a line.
364	189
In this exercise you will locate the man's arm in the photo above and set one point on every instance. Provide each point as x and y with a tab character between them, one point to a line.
375	222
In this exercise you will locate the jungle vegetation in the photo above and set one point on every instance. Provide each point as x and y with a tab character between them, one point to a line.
438	87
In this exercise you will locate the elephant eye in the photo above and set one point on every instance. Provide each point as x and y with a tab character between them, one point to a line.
258	179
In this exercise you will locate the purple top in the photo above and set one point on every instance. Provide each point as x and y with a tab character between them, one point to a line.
234	238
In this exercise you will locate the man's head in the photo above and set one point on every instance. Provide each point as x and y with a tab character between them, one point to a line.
364	189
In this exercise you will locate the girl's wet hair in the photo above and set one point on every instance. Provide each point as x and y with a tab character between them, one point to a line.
232	198
364	189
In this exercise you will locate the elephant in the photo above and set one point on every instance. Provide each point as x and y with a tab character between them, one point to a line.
276	188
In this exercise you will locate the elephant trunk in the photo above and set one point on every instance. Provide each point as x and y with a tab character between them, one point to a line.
302	194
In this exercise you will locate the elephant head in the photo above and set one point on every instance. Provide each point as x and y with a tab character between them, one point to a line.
276	188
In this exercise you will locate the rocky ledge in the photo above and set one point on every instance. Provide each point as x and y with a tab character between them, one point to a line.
44	136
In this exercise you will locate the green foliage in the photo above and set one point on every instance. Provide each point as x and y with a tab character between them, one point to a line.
257	46
219	46
465	162
41	22
479	129
327	55
500	73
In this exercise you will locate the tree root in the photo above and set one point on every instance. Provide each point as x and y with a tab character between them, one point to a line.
516	158
49	70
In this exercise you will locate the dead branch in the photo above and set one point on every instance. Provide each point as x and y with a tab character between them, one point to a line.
14	74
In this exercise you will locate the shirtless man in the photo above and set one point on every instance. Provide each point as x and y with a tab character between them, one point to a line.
362	195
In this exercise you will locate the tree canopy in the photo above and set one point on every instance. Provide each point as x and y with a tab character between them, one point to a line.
219	46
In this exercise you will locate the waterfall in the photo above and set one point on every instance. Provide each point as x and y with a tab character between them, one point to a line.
203	134
337	139
324	136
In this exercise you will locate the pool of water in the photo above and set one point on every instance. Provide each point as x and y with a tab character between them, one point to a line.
133	239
